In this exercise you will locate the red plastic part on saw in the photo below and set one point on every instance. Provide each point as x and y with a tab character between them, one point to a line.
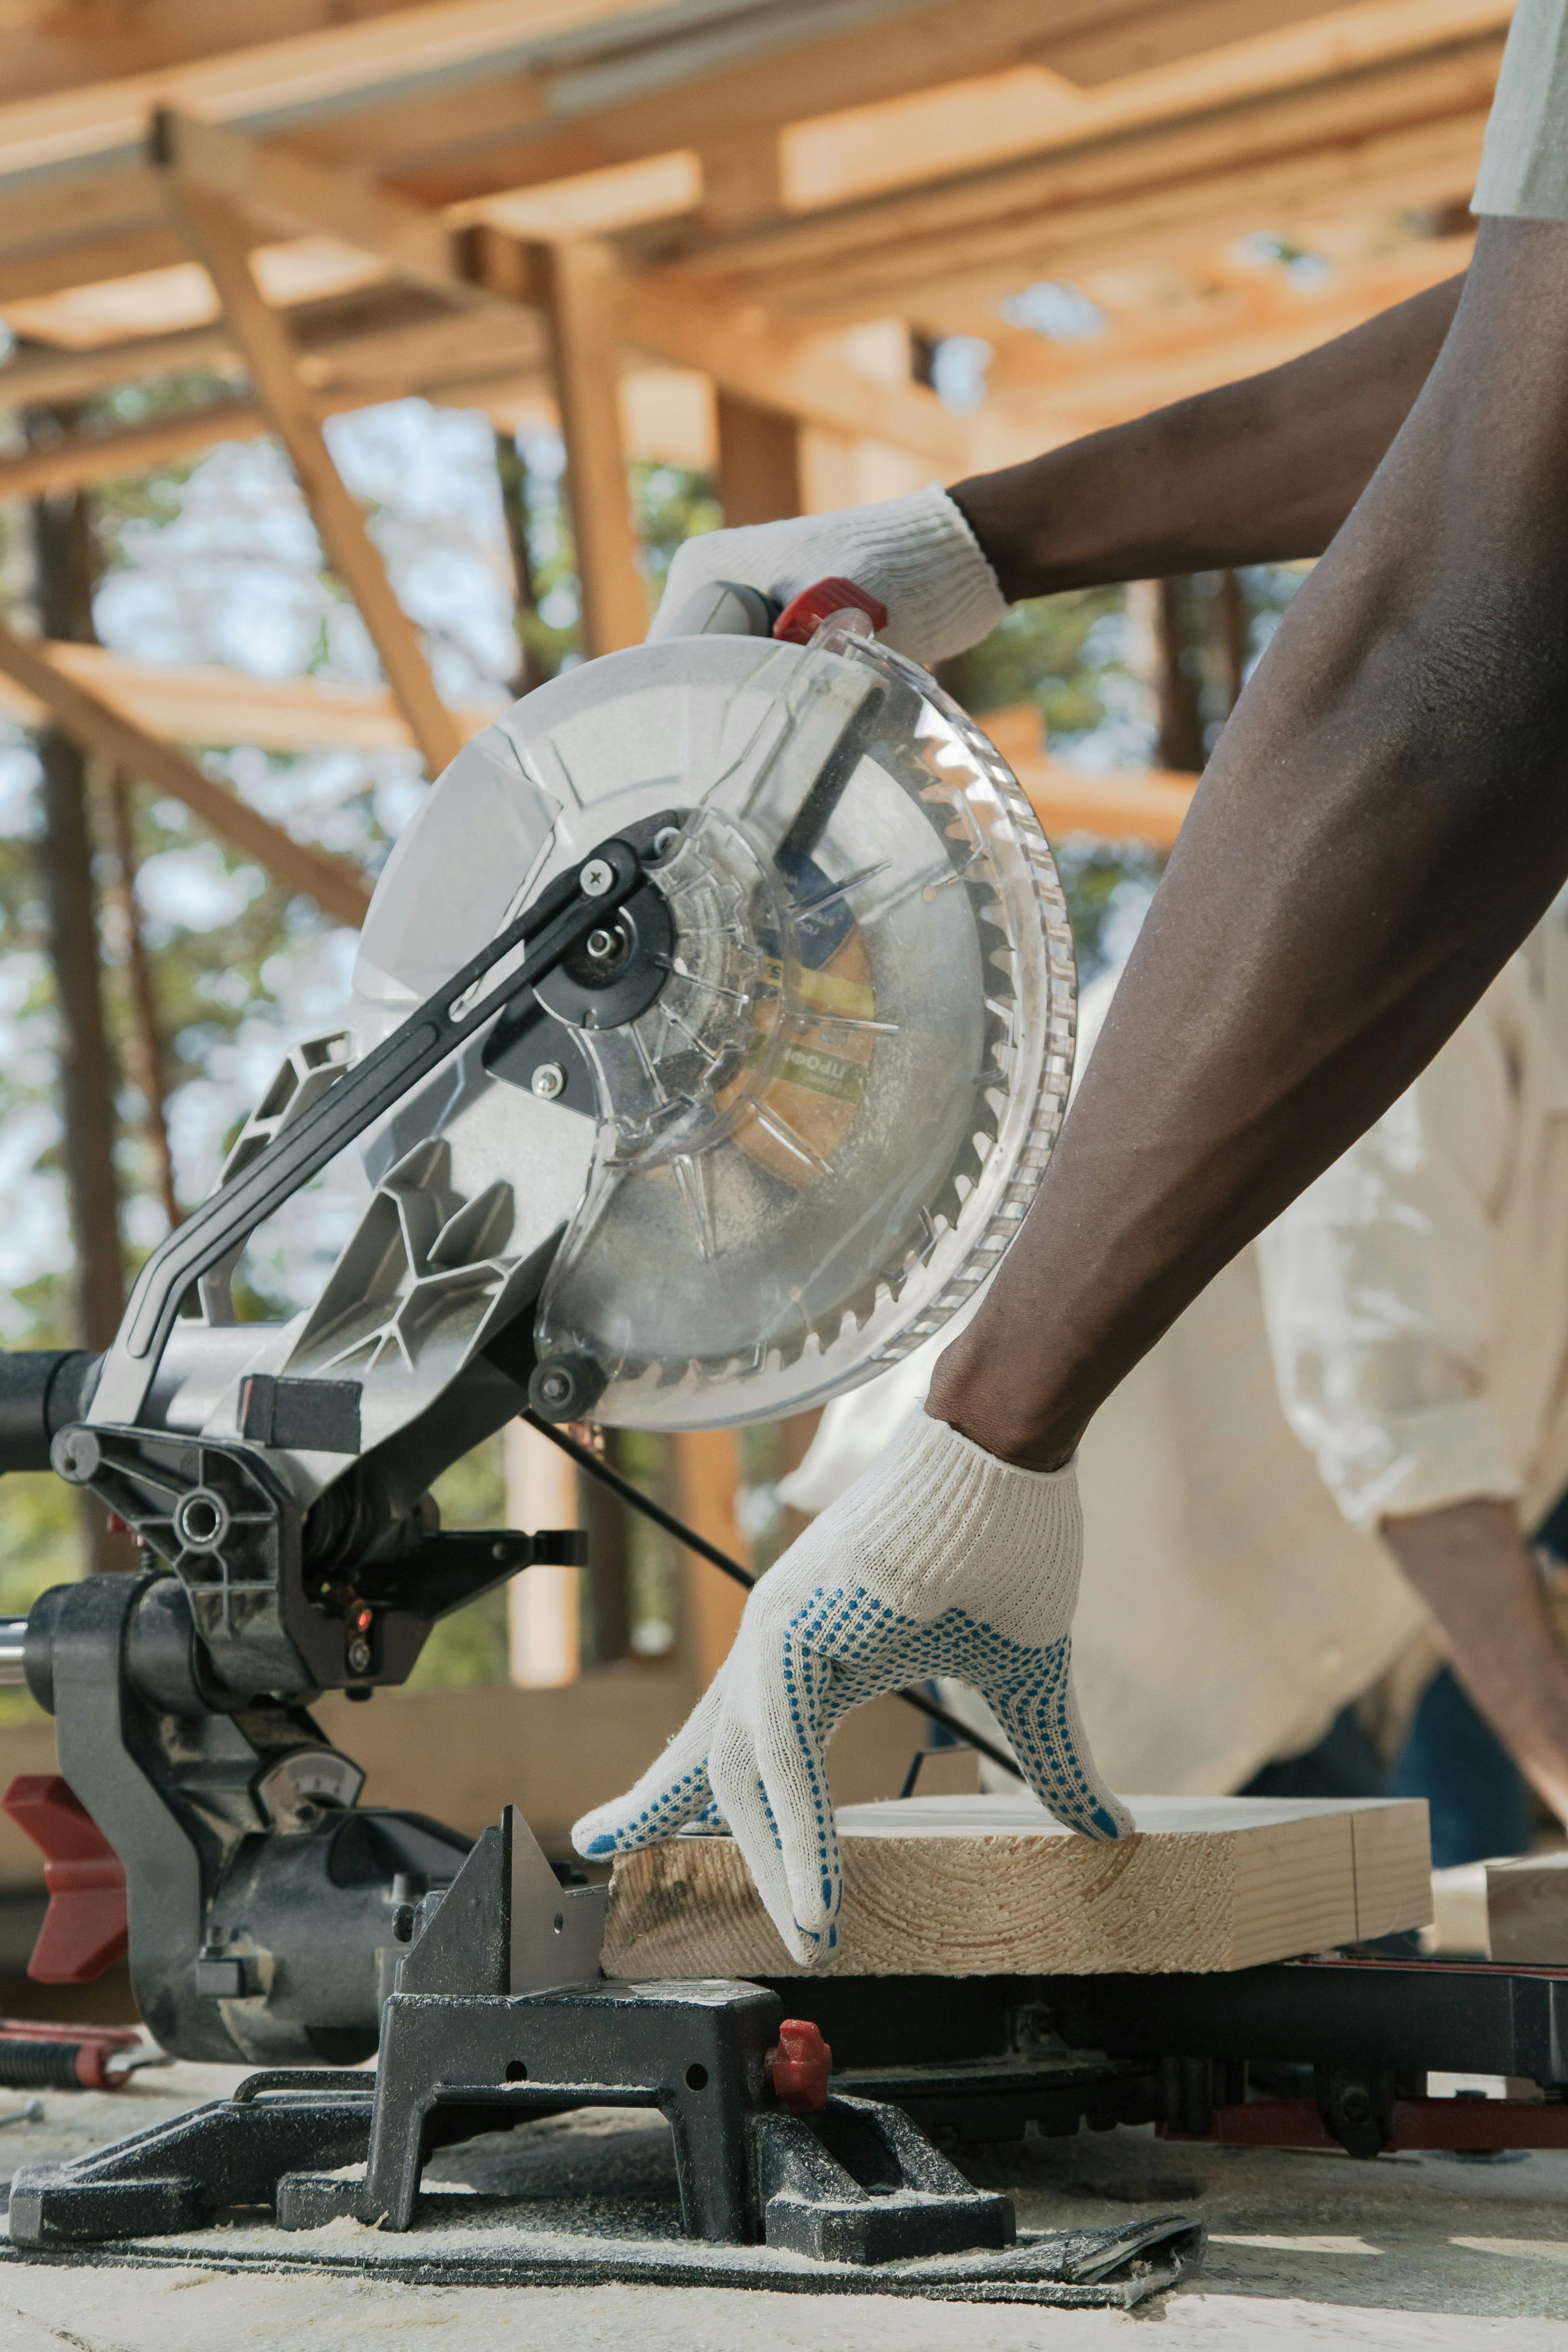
84	1929
798	2066
803	615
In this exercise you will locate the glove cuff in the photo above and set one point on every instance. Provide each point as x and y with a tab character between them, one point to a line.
929	570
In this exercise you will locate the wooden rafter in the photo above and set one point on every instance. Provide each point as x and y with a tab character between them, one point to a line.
97	726
219	236
784	371
1012	213
199	702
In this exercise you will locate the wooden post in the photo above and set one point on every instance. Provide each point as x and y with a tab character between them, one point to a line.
581	285
758	462
64	571
145	1041
1180	724
543	1603
513	477
708	1463
222	244
1233	636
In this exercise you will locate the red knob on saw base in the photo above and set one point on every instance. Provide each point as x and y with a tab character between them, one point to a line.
84	1930
798	2067
803	615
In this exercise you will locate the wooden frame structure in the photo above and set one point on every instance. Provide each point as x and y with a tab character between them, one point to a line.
498	202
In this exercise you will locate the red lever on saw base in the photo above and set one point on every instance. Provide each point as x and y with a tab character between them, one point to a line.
798	2064
803	615
84	1930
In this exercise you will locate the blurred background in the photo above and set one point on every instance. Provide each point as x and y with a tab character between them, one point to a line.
355	382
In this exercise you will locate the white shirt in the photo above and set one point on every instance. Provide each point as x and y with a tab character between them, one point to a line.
1414	1352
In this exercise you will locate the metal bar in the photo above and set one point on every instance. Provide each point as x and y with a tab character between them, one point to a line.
638	1501
12	1644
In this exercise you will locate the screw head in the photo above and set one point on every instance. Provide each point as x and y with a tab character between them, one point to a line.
547	1081
556	1386
665	839
76	1455
596	877
601	945
359	1655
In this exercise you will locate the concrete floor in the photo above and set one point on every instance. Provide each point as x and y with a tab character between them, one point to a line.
1306	2249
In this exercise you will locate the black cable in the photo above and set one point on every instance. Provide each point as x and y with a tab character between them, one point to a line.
633	1496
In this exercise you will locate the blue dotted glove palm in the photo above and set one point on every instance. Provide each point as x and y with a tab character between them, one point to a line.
940	1560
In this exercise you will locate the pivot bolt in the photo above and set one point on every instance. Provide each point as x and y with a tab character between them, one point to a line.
549	1079
76	1455
596	877
556	1388
359	1655
601	945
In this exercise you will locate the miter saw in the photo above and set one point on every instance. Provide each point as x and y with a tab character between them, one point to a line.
712	1026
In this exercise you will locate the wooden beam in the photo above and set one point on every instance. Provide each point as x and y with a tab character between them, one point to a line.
268	183
735	97
221	242
581	285
793	374
96	726
1010	214
200	703
952	1886
937	133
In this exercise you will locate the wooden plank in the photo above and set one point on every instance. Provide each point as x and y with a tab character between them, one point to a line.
354	66
992	1886
707	1470
198	702
939	132
97	726
1527	1909
929	230
220	239
581	284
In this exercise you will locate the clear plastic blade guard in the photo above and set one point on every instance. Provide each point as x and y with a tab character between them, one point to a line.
816	1142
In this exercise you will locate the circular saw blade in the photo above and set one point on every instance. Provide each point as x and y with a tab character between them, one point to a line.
810	1142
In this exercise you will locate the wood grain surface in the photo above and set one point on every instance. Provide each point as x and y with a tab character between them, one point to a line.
992	1886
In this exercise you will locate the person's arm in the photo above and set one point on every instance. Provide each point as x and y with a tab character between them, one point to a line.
1260	471
1471	1566
1385	819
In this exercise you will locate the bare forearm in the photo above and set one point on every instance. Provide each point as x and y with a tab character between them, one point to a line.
1384	820
1471	1566
1257	472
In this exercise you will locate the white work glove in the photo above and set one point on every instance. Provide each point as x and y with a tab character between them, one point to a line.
916	553
940	1560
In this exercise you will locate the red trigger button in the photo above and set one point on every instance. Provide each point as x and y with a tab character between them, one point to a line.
803	615
798	2067
84	1929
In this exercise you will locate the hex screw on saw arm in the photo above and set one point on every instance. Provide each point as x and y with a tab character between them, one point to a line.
636	1500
